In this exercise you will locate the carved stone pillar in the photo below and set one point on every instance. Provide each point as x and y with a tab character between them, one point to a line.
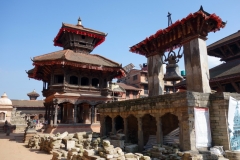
64	112
92	114
126	128
56	115
159	133
187	135
140	134
70	113
155	75
46	111
181	134
51	120
196	65
103	125
75	113
113	125
49	116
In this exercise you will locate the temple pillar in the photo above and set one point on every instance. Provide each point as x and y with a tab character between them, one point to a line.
51	120
159	133
56	115
125	128
196	66
155	75
180	134
187	135
140	134
113	125
70	113
45	116
64	112
102	125
49	117
75	113
92	114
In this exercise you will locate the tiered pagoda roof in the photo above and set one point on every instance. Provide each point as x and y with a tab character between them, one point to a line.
80	30
77	42
222	72
227	48
228	70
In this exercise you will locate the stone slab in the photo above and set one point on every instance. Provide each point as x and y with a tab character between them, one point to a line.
117	143
70	145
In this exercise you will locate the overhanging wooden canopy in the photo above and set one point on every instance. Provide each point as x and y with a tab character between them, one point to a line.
197	24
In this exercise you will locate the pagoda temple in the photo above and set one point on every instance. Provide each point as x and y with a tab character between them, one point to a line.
75	81
226	76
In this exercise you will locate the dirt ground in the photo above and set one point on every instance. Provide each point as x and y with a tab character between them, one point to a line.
12	148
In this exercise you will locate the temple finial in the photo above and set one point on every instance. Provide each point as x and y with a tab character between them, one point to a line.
201	8
169	19
79	22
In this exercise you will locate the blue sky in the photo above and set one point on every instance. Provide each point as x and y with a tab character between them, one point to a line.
27	29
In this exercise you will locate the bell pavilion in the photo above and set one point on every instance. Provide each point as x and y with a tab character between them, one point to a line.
75	81
160	116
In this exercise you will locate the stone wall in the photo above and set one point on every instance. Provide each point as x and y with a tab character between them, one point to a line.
180	105
219	117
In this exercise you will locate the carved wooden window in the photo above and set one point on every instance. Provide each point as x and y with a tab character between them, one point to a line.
97	115
73	80
2	116
135	77
95	82
135	93
127	94
58	78
84	81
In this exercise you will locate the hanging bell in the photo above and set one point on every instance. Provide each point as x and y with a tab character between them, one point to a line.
172	73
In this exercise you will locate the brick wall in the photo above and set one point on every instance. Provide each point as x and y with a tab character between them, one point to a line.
219	118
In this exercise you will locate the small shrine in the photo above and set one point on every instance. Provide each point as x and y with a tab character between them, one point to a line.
5	108
74	80
33	95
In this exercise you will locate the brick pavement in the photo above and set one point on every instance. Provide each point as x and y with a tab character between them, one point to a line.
12	148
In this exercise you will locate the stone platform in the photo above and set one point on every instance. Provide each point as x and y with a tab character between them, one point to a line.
72	128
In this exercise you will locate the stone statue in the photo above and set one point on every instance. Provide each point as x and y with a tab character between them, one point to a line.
30	124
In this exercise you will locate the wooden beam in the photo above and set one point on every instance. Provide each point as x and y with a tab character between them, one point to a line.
238	45
222	51
230	49
235	86
215	53
220	86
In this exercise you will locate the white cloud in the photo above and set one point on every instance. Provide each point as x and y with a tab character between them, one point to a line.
213	61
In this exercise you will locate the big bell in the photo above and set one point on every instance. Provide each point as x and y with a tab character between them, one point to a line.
172	73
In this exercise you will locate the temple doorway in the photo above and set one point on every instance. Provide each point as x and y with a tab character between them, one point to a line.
119	123
149	128
2	116
132	129
170	128
108	124
67	113
83	113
